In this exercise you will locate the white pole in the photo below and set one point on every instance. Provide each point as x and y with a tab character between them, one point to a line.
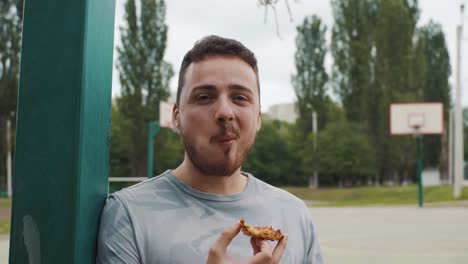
450	147
312	178
458	144
8	161
314	123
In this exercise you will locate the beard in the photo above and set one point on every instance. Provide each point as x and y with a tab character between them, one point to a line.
225	166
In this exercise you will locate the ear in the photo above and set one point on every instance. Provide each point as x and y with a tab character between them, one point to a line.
259	120
175	117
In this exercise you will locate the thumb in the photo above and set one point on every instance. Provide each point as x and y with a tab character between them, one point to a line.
226	237
261	258
264	255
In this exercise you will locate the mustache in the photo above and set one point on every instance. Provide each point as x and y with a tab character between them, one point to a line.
227	130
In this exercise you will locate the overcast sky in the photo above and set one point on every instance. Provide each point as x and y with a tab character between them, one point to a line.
243	20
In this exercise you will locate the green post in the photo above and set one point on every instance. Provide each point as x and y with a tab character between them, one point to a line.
420	166
62	142
153	129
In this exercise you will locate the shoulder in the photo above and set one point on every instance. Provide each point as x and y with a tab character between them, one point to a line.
144	188
278	195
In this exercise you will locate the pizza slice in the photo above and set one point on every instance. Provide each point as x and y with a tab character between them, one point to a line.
265	232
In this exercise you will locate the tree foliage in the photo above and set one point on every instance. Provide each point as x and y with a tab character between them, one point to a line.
394	57
353	51
11	17
342	152
272	159
310	79
144	76
10	41
436	87
381	57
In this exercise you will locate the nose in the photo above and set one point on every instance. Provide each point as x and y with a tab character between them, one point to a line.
224	111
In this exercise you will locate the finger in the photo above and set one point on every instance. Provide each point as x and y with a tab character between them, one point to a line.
226	237
261	258
279	249
263	245
264	255
255	248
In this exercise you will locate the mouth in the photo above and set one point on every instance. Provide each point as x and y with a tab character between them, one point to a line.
226	140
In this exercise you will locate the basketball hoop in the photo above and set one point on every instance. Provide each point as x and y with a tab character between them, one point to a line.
416	121
165	114
416	118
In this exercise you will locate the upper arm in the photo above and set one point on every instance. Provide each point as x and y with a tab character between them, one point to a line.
314	253
116	241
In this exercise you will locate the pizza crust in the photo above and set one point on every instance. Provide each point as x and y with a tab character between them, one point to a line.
265	232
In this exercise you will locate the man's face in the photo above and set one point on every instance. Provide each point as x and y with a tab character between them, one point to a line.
218	114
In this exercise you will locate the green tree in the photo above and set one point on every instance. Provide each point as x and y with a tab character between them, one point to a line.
119	160
393	70
11	16
310	79
270	159
343	153
169	151
375	65
295	140
353	51
436	88
353	72
144	76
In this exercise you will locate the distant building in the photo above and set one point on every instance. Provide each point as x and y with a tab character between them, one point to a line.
172	97
283	112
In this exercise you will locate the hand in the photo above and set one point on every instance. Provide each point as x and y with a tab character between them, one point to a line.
261	249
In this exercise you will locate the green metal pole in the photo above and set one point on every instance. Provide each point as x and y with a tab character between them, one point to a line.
149	173
60	180
420	165
153	129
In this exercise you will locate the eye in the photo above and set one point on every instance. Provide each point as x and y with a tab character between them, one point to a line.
203	98
240	98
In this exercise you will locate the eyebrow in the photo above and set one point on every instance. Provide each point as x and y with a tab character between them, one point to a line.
240	88
212	88
203	87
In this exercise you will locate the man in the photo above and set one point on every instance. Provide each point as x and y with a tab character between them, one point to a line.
187	215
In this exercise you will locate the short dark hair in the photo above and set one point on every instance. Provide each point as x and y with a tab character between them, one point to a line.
215	45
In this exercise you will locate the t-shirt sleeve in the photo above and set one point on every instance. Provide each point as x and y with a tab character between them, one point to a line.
314	254
116	241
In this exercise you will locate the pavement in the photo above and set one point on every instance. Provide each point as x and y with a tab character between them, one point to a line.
4	247
387	235
384	235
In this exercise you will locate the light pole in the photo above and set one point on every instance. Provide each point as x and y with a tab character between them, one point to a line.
458	141
450	133
313	181
8	161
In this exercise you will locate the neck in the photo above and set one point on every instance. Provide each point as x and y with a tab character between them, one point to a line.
214	184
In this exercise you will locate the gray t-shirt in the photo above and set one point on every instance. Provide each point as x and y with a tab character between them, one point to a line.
163	220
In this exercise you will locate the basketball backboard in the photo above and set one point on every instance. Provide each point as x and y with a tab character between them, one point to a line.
165	114
416	118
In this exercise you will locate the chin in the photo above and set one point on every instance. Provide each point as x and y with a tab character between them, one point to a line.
222	169
226	164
